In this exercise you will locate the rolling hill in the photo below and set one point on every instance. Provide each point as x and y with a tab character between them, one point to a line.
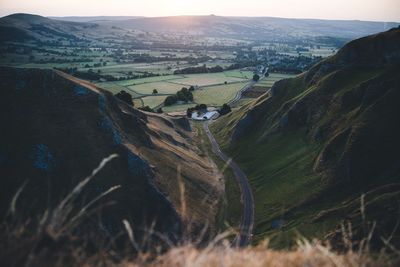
269	28
322	148
17	27
20	27
57	129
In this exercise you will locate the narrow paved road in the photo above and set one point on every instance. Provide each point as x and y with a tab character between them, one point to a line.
238	95
247	218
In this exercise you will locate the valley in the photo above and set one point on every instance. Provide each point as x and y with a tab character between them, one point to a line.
156	140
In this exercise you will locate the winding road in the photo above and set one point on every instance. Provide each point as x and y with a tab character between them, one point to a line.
238	95
247	218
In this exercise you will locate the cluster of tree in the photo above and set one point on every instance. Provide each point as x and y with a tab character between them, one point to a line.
201	107
126	97
201	69
224	110
57	60
184	95
294	65
96	75
90	75
256	77
149	109
96	65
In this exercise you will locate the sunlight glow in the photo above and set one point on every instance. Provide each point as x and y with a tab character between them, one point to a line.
382	10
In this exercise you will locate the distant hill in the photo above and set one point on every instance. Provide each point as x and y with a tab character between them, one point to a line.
19	27
56	129
27	26
94	18
324	147
254	27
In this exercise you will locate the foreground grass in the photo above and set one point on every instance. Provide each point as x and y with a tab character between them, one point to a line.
310	255
58	238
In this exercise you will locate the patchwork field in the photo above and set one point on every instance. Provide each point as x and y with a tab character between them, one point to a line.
213	91
208	79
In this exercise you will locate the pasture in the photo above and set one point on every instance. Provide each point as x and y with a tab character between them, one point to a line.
217	95
163	87
153	101
207	79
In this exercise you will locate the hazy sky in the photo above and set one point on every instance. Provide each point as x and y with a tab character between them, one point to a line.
382	10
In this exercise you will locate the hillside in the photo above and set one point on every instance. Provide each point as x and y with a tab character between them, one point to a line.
322	148
269	28
56	129
19	27
26	27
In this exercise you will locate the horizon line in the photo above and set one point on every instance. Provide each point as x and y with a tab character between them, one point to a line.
198	15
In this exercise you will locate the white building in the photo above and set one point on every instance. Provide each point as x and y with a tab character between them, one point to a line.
200	116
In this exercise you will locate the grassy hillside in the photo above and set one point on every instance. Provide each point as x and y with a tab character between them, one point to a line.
57	128
319	142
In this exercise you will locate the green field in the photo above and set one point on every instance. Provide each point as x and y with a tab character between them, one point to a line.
153	101
208	79
149	80
178	107
217	95
114	88
162	88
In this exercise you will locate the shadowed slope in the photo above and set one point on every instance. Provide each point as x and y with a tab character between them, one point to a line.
317	142
57	128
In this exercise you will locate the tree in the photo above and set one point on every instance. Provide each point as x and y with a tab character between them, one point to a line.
189	112
170	100
191	88
159	110
155	91
225	109
184	95
256	77
201	107
126	97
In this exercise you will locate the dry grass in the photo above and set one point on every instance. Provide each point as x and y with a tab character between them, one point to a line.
306	254
54	241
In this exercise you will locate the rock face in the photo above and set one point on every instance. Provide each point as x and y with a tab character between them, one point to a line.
347	110
55	131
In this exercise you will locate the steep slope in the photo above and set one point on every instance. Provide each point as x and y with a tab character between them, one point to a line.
55	131
316	143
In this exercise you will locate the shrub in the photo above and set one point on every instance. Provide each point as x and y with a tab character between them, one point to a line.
147	108
125	96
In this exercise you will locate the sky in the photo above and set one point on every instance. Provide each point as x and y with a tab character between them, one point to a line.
376	10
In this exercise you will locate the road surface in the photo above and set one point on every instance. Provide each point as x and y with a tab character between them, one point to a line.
238	95
247	218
